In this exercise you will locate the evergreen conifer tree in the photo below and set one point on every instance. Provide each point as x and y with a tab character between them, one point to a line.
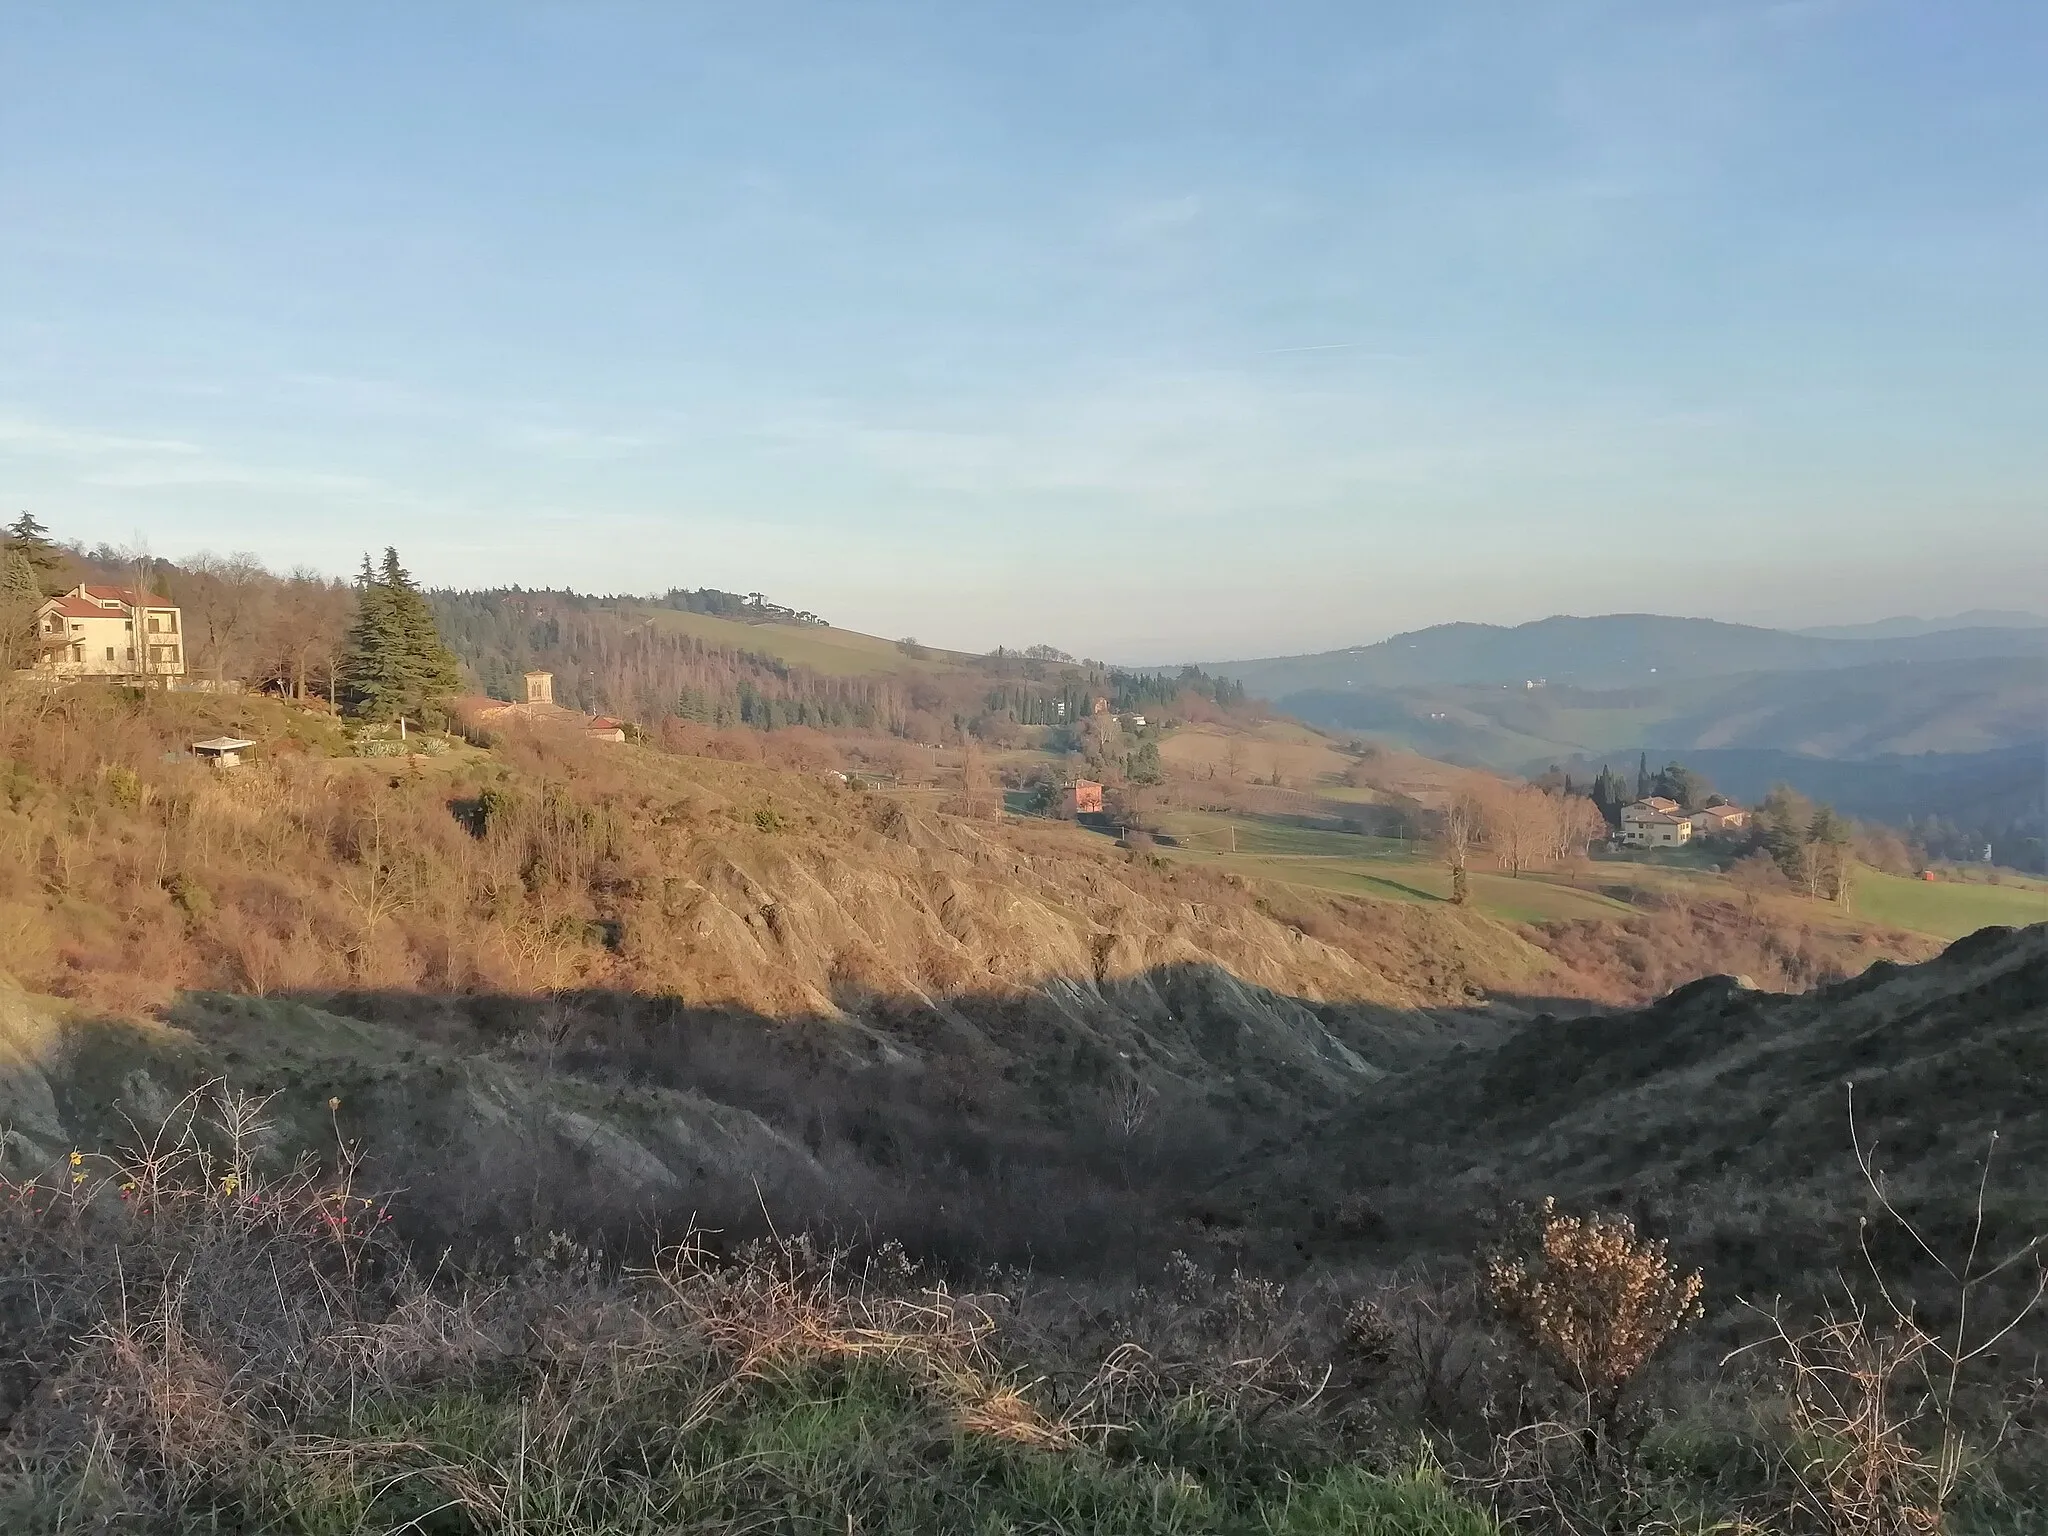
31	541
1610	794
395	664
20	595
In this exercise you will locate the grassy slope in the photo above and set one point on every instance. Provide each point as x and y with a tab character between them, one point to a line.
1741	1094
1297	753
1948	908
1385	869
1946	706
834	652
1529	899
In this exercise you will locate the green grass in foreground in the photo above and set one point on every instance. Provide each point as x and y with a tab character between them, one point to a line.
1947	909
818	1451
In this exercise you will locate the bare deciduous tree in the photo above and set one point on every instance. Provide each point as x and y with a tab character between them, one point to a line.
1517	825
1574	821
1458	827
976	783
305	625
223	597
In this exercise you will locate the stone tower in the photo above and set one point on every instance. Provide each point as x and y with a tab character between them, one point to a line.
540	687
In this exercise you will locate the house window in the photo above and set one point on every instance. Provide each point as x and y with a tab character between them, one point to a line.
110	653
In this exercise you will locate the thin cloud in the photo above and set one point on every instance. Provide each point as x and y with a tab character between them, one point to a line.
27	436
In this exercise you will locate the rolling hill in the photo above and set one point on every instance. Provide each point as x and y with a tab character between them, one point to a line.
1976	618
1722	1101
1621	650
1891	708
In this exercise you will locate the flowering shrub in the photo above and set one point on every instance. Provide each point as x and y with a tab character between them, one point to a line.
1595	1300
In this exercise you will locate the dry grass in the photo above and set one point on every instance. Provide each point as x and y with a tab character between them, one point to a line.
1879	1407
213	1343
218	1345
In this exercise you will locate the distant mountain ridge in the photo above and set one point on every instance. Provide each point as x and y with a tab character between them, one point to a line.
1618	650
1948	722
1902	626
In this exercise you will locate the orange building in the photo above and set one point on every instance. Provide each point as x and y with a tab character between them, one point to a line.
1081	796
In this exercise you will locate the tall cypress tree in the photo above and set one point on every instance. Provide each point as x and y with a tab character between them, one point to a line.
395	664
1609	795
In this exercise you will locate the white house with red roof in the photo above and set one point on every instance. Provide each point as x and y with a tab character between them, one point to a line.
116	633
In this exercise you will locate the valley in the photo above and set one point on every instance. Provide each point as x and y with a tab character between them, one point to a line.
1061	770
1127	1010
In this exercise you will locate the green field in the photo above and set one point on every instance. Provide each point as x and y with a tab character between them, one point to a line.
1530	898
1265	848
1947	909
1376	867
1209	831
1350	794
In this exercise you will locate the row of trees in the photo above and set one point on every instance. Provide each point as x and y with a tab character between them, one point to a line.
373	650
1524	826
1809	844
241	621
1612	791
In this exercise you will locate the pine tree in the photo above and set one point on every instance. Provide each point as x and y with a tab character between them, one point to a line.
21	594
395	664
1643	777
31	540
432	674
1783	826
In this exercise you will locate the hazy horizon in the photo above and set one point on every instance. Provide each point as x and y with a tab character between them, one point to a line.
1152	332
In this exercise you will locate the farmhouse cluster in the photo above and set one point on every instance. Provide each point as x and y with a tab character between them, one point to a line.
1660	823
539	708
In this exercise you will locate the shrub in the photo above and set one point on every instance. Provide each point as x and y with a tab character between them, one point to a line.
1596	1301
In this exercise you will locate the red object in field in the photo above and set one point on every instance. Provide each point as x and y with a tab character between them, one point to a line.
1928	874
1083	795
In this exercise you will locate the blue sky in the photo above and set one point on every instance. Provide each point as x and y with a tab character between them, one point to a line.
1151	331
